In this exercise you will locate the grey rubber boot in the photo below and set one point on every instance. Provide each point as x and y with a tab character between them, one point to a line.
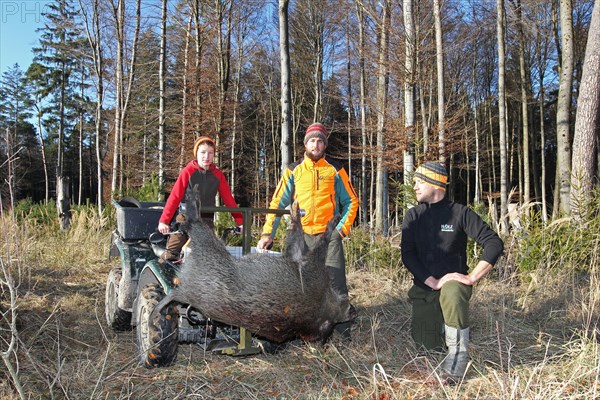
455	363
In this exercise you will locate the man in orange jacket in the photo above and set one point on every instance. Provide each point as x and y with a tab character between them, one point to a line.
323	190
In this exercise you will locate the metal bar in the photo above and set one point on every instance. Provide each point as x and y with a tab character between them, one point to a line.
247	216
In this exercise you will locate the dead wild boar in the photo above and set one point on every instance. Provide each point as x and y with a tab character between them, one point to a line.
277	298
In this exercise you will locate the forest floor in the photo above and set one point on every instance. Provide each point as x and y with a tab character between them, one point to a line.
529	341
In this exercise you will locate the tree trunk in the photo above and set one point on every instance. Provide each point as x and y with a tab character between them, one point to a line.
382	86
477	196
425	87
122	93
316	14
563	106
439	53
587	121
236	99
119	15
524	109
502	120
363	117
286	96
80	143
161	97
185	92
541	56
198	62
63	202
349	96
44	161
99	63
224	62
409	90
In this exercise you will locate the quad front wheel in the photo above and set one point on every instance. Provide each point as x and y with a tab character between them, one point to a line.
158	337
116	318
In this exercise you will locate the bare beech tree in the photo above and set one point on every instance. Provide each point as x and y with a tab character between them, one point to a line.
286	94
524	103
123	87
502	117
382	97
366	205
542	39
563	106
587	121
224	12
185	91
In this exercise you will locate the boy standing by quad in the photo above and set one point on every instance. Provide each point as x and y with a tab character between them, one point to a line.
209	180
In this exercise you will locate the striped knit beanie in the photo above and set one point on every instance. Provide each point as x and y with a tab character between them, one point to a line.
316	130
433	174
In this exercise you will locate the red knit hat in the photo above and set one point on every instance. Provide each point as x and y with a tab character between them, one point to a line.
202	140
316	130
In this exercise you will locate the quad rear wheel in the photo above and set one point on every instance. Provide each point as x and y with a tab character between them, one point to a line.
116	318
158	337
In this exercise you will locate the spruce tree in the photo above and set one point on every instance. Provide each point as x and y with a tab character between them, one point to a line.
18	155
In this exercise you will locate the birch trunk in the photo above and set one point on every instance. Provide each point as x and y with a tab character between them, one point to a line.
409	90
439	55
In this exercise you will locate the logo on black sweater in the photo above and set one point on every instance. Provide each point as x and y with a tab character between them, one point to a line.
447	228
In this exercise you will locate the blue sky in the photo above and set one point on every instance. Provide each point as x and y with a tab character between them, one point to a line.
18	21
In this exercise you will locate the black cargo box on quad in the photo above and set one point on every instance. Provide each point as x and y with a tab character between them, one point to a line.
136	220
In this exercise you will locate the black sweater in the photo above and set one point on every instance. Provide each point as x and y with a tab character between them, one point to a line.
434	240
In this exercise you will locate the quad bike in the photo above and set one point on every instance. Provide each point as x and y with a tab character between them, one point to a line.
140	282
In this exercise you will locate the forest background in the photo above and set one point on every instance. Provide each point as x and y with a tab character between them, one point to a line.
118	91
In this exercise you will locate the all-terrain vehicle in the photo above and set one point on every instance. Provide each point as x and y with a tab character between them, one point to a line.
139	282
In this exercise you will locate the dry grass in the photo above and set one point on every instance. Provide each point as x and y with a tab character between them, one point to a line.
529	341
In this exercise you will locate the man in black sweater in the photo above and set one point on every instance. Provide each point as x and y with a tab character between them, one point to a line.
434	249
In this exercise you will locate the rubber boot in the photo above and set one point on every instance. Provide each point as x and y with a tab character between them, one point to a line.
455	364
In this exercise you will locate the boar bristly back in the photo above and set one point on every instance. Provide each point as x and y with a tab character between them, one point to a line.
277	297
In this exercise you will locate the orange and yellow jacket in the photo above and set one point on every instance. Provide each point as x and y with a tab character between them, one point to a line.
322	189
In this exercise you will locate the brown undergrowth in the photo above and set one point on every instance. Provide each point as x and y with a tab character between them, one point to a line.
532	338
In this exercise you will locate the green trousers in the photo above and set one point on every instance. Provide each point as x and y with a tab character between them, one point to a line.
431	310
336	264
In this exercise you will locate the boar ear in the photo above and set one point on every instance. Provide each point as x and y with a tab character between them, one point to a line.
192	204
294	211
